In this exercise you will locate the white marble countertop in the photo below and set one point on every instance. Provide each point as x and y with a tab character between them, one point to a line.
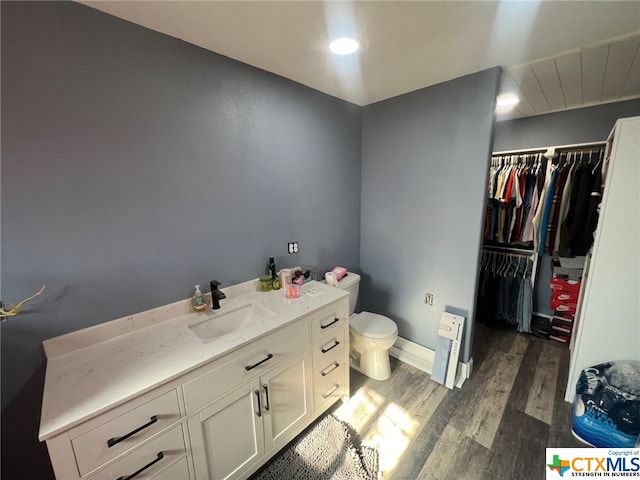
96	369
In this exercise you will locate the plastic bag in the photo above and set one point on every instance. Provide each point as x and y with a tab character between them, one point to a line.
606	409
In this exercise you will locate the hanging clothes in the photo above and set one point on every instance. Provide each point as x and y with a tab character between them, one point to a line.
504	294
564	208
527	233
584	239
510	193
547	207
552	228
540	212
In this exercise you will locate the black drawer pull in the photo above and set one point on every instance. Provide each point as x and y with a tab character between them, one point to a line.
251	367
112	441
335	320
325	350
159	457
332	391
266	393
333	367
259	412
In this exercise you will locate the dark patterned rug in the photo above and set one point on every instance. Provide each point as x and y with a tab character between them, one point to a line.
330	449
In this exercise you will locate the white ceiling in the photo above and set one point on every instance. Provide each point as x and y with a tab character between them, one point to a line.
556	54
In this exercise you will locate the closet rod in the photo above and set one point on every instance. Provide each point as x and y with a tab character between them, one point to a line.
544	149
508	249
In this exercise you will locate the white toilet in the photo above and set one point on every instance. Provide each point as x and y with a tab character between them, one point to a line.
371	335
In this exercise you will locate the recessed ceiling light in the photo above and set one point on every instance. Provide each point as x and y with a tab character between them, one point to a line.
507	100
344	46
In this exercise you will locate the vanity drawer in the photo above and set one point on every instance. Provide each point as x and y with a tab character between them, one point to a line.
330	380
151	460
114	436
328	321
328	346
244	364
179	470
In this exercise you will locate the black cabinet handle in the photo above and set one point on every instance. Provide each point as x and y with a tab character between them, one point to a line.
333	367
259	412
251	367
112	441
325	350
159	457
266	391
332	391
335	320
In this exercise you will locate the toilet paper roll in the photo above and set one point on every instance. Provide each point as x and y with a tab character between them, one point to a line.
330	278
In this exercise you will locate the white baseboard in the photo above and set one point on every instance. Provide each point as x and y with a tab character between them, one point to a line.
422	358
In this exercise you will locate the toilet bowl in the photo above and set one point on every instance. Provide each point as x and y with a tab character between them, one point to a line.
371	335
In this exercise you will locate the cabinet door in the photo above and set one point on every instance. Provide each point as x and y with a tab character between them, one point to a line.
286	401
227	438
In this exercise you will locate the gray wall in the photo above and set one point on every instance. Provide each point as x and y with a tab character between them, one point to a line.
424	171
584	125
135	166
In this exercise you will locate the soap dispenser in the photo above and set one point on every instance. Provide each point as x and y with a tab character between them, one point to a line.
198	301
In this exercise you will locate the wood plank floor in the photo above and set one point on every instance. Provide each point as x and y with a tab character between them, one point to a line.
496	426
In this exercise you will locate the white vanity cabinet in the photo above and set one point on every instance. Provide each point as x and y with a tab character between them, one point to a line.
163	418
140	439
269	403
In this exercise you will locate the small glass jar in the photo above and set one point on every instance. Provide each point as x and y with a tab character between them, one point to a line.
266	283
292	291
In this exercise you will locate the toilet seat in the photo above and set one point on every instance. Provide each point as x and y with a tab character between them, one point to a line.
372	325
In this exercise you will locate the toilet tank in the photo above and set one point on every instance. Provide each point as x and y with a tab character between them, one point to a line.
351	283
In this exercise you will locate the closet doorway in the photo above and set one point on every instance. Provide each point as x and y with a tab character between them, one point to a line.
540	214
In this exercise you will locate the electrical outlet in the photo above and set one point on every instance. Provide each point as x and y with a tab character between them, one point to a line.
428	298
292	248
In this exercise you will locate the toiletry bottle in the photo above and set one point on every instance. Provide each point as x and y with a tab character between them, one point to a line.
275	280
272	267
199	301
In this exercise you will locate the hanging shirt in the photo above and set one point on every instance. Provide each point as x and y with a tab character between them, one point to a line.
523	177
500	184
548	202
558	190
515	202
584	240
527	233
582	201
564	207
566	226
537	219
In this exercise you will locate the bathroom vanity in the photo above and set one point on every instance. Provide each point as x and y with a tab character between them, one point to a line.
171	394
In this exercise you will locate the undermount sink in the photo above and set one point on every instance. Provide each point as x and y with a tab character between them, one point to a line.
230	321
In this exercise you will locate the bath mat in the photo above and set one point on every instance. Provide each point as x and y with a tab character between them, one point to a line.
330	449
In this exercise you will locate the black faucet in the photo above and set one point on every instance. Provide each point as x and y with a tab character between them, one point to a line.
216	295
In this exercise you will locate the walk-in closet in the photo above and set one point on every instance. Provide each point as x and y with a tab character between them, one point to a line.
541	204
560	260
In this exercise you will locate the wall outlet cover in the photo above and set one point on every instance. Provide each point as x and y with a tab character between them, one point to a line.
428	298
